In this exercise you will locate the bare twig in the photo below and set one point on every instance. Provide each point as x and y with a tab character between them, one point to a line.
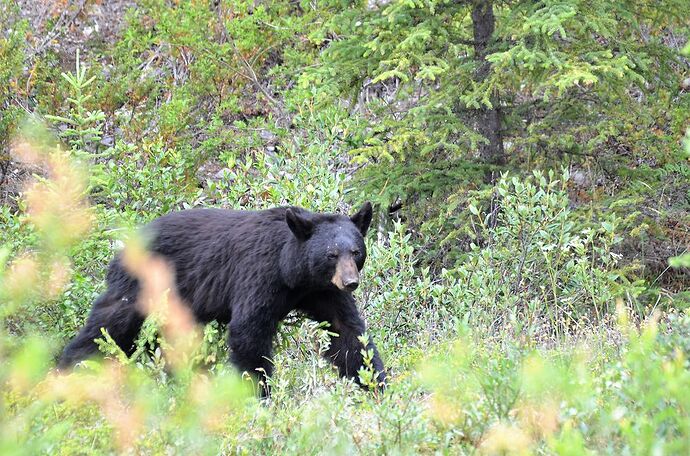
63	23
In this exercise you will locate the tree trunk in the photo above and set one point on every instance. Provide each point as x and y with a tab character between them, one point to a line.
488	120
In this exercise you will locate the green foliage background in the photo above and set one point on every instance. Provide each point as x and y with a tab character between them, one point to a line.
528	290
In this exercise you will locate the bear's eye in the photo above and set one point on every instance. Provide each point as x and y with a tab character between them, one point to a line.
355	252
331	255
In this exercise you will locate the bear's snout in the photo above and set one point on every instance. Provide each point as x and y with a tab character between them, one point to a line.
346	275
352	285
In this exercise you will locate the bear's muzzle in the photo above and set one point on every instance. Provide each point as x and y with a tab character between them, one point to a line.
346	275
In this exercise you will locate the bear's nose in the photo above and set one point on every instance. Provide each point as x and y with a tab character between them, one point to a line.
351	285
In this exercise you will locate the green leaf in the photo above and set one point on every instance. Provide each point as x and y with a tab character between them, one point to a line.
682	261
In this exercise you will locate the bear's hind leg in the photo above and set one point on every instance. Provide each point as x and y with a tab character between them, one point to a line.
118	316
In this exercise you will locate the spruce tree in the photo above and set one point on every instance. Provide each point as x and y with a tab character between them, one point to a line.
460	89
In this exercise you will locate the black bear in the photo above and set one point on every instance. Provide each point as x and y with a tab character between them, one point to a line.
248	269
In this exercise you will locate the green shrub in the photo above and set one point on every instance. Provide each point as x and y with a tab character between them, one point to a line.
12	47
536	270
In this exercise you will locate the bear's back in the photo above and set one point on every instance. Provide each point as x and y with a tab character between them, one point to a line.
215	252
200	229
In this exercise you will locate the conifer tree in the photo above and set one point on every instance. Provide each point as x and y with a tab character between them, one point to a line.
476	84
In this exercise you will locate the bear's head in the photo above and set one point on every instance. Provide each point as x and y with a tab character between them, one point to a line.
331	246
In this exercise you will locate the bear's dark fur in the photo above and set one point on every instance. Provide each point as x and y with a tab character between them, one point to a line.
249	270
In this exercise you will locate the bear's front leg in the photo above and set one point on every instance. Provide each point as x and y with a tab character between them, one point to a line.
345	351
251	347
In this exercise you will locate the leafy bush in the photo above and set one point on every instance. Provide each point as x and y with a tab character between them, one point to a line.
552	401
12	46
535	269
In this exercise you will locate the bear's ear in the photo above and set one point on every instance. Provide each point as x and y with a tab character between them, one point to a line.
300	226
362	219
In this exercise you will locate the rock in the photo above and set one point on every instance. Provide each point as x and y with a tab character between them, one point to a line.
224	173
267	135
685	85
580	178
